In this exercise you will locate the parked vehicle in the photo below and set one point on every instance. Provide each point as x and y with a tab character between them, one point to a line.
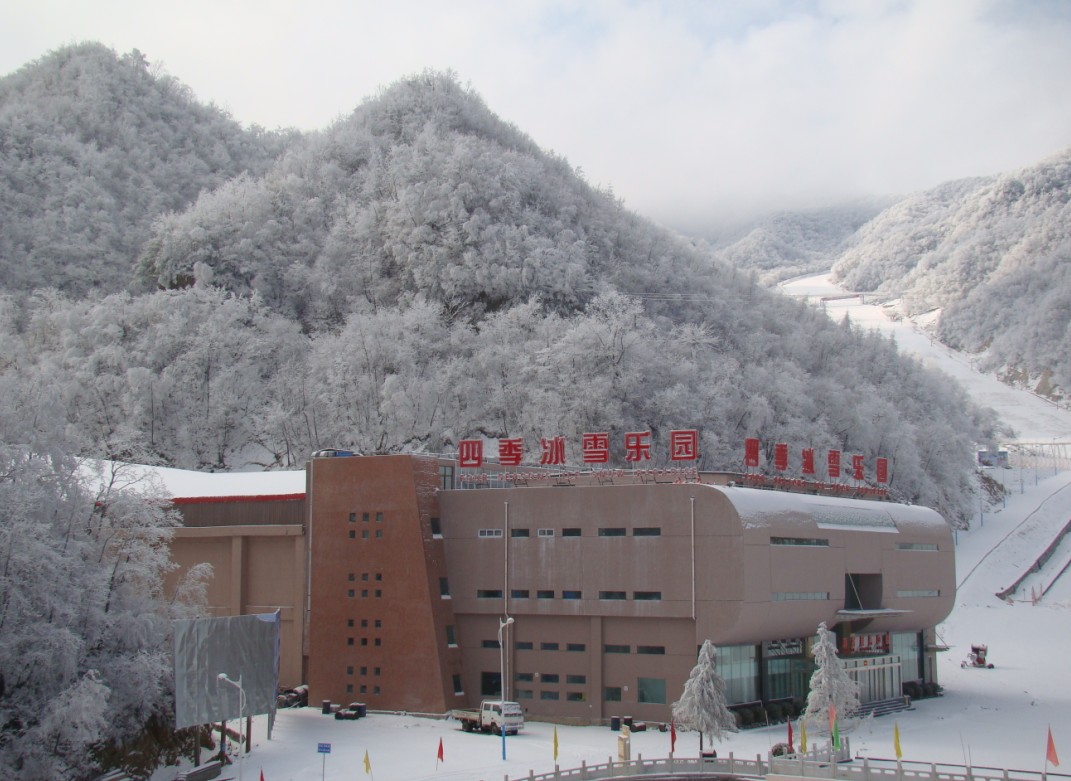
494	716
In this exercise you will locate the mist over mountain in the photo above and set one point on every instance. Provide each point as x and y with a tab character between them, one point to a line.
418	273
994	254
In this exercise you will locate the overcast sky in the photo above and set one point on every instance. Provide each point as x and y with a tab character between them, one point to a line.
692	112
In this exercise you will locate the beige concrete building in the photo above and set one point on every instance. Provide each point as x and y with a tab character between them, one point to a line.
403	584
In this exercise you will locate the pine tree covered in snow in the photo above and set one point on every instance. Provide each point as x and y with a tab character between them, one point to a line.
830	685
703	706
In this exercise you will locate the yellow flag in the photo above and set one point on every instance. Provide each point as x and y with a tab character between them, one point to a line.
896	740
555	742
367	763
803	736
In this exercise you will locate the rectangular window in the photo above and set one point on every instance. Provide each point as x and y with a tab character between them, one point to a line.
519	593
918	592
349	670
655	650
545	533
548	646
916	546
814	542
523	694
457	684
610	648
545	695
349	688
353	534
379	517
350	592
491	644
577	679
365	517
490	533
612	595
349	641
525	677
353	517
550	678
379	534
518	533
794	596
377	642
444	588
576	647
489	593
647	596
647	531
436	528
651	690
613	531
446	477
364	623
612	694
364	689
364	593
571	532
575	696
364	671
567	594
451	636
364	534
364	641
523	645
545	594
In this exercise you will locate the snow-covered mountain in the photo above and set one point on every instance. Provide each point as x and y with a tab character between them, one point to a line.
994	254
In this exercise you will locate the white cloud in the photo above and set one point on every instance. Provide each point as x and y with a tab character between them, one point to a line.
690	111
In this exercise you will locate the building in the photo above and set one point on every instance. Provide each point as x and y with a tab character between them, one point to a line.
600	592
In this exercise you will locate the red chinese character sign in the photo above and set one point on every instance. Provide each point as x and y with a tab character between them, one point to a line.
833	463
510	451
684	445
553	450
857	467
595	448
470	453
780	456
807	466
751	452
638	446
882	469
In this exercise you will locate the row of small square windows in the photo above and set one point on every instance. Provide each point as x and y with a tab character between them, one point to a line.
612	531
523	645
521	593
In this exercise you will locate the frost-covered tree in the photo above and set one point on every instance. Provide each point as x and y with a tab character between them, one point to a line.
830	686
703	706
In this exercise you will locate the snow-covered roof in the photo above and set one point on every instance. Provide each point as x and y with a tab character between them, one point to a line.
759	508
189	484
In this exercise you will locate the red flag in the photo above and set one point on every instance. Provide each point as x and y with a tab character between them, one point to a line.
1050	752
790	749
261	775
672	737
439	756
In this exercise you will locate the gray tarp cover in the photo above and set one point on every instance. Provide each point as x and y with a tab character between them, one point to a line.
246	648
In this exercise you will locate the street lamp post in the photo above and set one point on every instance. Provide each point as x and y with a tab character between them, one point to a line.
241	714
502	624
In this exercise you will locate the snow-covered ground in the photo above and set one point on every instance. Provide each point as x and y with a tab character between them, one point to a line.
991	718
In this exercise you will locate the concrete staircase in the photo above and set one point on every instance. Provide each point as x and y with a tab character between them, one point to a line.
884	707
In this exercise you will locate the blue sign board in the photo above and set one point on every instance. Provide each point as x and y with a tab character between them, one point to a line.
323	748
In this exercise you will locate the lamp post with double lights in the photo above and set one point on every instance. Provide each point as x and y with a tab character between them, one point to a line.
502	624
222	677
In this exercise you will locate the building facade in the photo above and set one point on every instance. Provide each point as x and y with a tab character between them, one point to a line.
580	599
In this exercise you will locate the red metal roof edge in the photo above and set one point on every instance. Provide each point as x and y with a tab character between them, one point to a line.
251	498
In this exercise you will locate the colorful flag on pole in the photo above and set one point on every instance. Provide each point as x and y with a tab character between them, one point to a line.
439	754
1050	752
672	738
555	742
790	749
367	763
833	726
896	740
803	735
261	775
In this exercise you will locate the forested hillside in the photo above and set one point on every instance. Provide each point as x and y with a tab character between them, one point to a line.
788	244
993	253
421	272
93	147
